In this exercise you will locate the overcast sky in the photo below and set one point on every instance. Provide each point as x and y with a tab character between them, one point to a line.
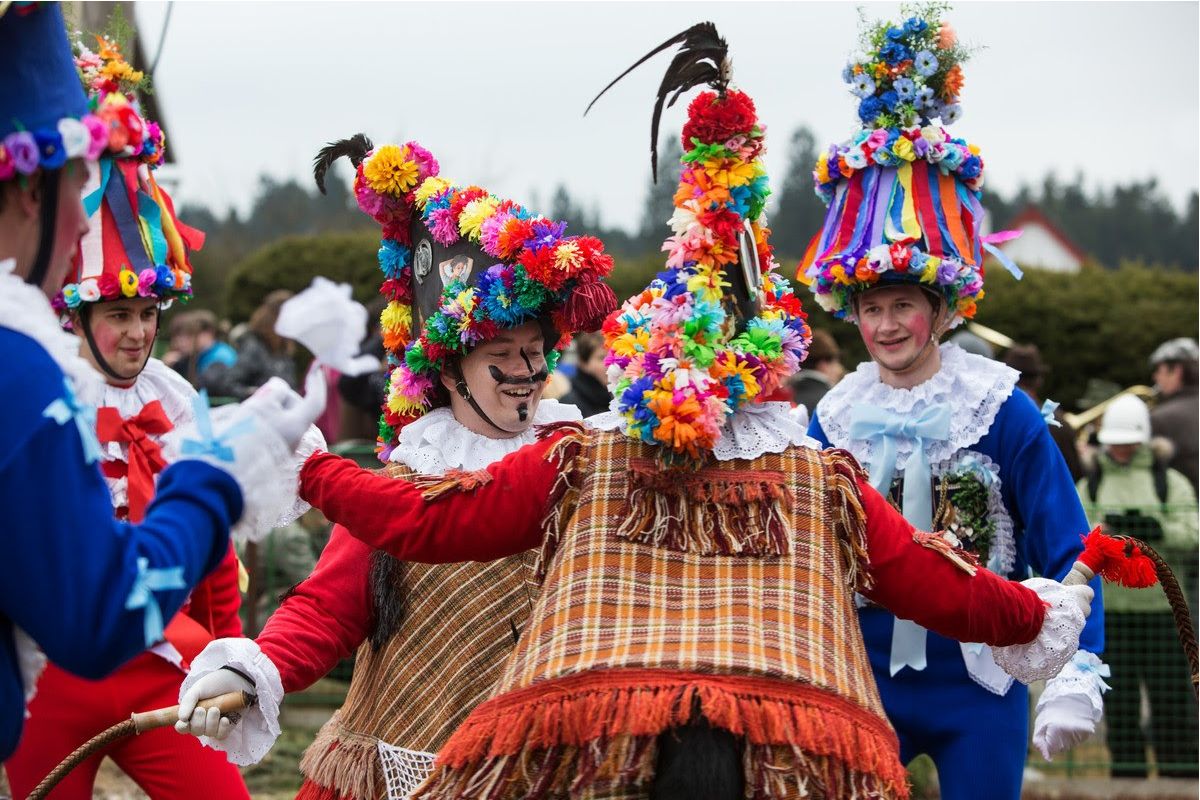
497	90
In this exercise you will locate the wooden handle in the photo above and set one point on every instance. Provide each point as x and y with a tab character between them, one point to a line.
1080	573
163	717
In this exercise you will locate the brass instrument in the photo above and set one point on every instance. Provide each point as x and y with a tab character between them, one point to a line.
1082	418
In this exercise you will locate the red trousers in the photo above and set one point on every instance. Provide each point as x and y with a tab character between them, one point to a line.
67	711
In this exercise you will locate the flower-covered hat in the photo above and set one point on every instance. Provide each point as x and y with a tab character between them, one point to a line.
136	246
459	265
720	327
903	194
44	116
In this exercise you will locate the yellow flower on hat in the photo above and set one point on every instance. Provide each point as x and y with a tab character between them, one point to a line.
929	274
903	148
396	316
474	214
402	405
390	171
428	189
567	257
128	281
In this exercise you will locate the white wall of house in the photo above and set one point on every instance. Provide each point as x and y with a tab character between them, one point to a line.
1038	248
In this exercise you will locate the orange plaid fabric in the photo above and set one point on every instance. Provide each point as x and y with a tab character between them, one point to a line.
626	635
460	624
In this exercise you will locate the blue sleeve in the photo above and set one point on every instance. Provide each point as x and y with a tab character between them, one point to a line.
70	569
1042	499
815	430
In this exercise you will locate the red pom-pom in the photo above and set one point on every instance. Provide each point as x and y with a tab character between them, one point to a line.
713	120
588	305
1117	561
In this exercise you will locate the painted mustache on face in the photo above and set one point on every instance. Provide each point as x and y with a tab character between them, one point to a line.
532	379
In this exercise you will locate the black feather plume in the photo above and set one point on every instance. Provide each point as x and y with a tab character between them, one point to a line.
355	148
703	58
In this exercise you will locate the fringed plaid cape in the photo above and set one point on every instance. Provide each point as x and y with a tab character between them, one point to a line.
728	589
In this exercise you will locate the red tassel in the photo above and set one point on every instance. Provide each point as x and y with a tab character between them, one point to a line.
1117	561
588	305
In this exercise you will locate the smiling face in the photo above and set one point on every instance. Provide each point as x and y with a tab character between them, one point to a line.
123	333
506	378
900	326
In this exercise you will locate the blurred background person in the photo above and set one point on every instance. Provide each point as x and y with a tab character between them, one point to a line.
1131	490
262	354
1027	360
589	384
1175	416
973	344
195	346
821	370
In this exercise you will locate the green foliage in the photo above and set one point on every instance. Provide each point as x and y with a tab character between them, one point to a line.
1094	324
292	263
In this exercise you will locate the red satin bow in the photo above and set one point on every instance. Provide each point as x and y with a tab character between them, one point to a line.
145	455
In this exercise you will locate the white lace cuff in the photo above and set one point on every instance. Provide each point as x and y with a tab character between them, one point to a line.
312	441
253	454
1082	677
255	733
1055	644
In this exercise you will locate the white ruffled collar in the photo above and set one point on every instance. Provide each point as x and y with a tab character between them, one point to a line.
751	431
973	386
156	382
23	308
437	442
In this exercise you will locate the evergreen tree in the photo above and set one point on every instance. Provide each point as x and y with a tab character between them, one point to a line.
660	203
800	212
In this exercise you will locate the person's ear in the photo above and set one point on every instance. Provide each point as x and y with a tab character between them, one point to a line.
447	379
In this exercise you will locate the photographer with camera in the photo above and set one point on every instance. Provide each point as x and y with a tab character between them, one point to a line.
1130	490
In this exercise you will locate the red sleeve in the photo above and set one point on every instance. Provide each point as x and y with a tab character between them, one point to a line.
922	585
325	618
478	516
215	602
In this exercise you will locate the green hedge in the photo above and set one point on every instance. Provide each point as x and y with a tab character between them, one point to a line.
293	262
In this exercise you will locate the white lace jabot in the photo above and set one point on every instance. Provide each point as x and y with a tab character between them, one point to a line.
438	442
973	386
751	431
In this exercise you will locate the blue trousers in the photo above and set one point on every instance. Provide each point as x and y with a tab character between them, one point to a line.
978	740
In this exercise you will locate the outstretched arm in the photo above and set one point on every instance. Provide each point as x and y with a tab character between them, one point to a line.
923	585
475	516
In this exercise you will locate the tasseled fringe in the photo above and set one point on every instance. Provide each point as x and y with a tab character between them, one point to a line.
311	791
567	455
344	765
851	517
454	480
713	512
557	742
967	562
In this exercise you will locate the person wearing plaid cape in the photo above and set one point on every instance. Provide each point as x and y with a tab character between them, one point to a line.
695	635
475	322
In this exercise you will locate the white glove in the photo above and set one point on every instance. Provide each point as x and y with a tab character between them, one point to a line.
1056	643
284	411
1070	705
325	319
202	722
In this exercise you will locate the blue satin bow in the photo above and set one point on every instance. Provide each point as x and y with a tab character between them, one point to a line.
147	582
1048	409
209	445
886	428
67	408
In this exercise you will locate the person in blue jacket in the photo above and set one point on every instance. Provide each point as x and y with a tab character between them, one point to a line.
86	602
943	432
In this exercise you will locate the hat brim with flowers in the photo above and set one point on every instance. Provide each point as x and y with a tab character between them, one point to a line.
903	195
459	265
44	119
136	245
720	328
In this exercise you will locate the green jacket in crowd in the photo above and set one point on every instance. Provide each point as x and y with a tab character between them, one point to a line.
1169	528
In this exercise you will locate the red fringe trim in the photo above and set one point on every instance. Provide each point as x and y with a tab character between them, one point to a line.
454	480
846	507
311	791
967	562
604	724
711	512
567	455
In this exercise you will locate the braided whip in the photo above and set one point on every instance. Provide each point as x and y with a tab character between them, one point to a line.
137	723
1131	562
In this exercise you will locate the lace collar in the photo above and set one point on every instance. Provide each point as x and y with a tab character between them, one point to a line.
973	386
156	382
748	433
23	308
437	442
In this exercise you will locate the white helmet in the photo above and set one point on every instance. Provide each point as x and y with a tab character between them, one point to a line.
1126	421
1181	349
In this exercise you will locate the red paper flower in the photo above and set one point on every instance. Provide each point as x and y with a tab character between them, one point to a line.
713	120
